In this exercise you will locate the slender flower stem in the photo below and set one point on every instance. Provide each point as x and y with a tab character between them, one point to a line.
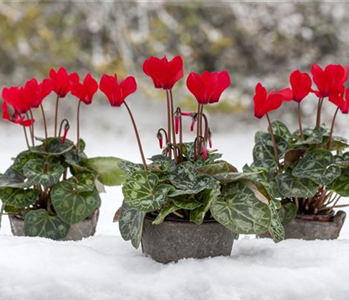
173	126
137	136
45	124
56	114
198	150
276	152
318	116
168	121
32	117
78	128
300	121
1	212
332	128
26	137
206	127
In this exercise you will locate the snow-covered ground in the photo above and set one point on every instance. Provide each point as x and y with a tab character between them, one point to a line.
105	267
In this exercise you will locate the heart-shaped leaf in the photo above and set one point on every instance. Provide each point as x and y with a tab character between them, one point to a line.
217	167
40	223
166	210
131	224
83	182
143	191
54	147
341	184
18	198
206	197
317	165
276	230
280	129
287	213
313	137
263	151
291	186
187	203
22	158
194	187
129	167
14	179
71	205
240	211
107	169
38	172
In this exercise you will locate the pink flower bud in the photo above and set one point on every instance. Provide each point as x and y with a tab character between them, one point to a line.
204	152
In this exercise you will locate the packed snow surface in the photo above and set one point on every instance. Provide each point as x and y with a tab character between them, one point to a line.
104	267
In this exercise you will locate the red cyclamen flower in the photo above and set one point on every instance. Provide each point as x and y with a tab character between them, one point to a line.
16	97
16	118
116	93
300	87
332	79
208	87
36	92
164	73
62	81
264	103
86	90
338	99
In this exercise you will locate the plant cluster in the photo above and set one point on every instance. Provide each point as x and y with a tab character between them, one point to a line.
189	180
53	184
307	170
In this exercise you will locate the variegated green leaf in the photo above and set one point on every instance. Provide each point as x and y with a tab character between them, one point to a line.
35	171
287	213
143	191
83	182
194	187
166	210
131	224
22	158
312	137
240	211
231	177
341	184
71	205
14	179
40	223
18	198
276	228
187	203
280	129
54	147
129	167
217	168
291	186
317	165
206	197
263	151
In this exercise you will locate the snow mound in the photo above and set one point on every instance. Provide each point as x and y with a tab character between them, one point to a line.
107	268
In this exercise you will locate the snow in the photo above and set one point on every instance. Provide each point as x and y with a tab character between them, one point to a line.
105	267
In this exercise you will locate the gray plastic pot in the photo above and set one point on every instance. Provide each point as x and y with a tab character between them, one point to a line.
76	232
173	240
314	227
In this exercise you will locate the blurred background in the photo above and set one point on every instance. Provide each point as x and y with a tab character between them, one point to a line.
252	41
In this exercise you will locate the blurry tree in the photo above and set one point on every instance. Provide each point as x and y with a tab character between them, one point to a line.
253	41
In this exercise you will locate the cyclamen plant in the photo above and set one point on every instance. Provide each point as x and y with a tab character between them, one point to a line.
52	185
305	172
189	180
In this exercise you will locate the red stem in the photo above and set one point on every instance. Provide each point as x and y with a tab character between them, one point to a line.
137	136
332	128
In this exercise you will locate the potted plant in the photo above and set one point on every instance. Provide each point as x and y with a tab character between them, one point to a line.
52	189
187	202
307	170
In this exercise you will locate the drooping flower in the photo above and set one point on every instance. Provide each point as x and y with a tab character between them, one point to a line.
265	102
62	81
86	90
208	87
330	80
300	87
16	117
115	92
15	97
341	100
36	92
164	73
